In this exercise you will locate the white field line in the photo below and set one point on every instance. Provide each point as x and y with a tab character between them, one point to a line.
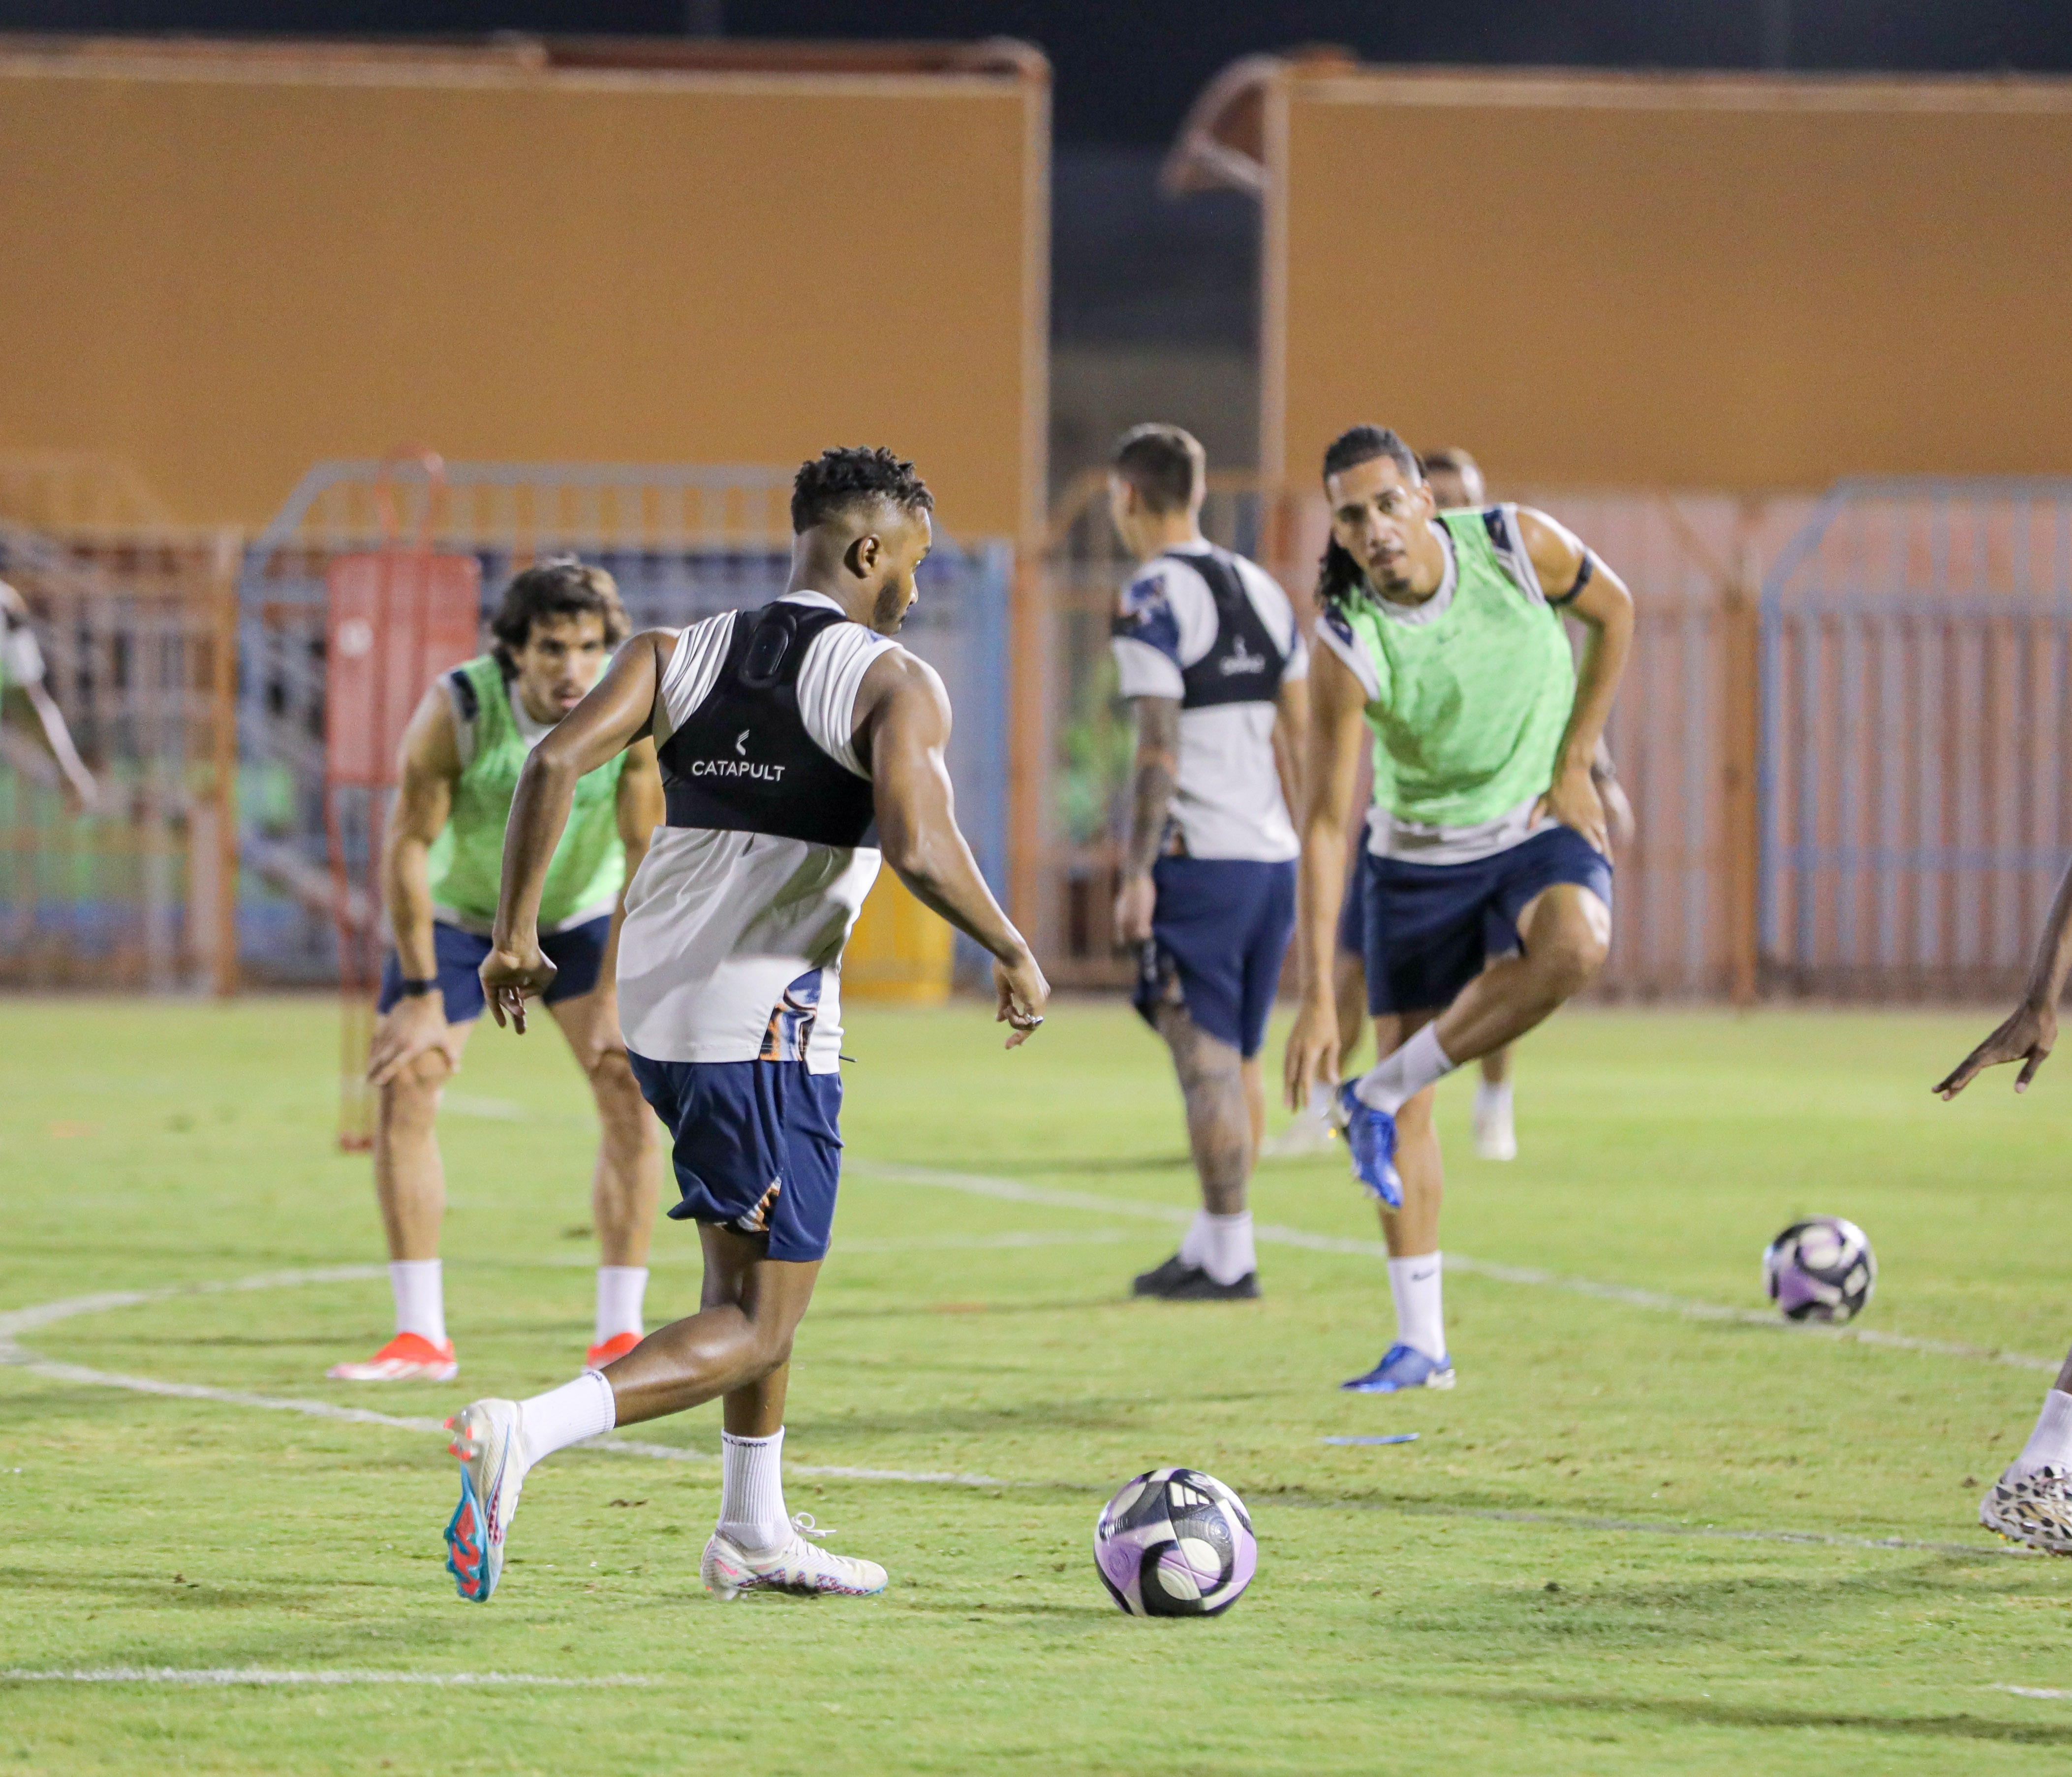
1012	1191
2032	1690
259	1675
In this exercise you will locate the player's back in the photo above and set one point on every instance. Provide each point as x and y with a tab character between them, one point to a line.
735	921
1214	631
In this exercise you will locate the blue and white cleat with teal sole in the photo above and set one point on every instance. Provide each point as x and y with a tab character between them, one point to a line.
1370	1139
485	1439
1403	1367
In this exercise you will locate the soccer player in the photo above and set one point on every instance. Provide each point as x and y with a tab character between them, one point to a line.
799	745
1443	635
443	855
21	681
2032	1501
1209	653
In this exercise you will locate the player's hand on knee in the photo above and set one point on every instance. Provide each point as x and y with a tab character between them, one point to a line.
512	973
1573	800
1312	1055
1021	993
1134	896
2028	1037
416	1027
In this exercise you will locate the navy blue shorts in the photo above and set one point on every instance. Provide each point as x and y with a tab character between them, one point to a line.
578	953
1431	927
1218	930
1352	935
758	1146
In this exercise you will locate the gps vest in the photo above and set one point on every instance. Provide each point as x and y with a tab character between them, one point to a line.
466	861
744	761
1243	665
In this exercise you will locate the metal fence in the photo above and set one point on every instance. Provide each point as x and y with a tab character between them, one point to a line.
136	630
681	541
1917	724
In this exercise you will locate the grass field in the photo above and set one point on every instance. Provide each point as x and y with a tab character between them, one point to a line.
1587	1563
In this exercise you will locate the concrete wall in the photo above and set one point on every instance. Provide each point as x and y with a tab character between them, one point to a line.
1672	282
221	268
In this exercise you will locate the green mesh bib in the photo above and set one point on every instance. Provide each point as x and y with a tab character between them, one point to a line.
466	861
1472	704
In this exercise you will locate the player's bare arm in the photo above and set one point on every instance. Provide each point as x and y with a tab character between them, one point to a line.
1153	778
1331	780
619	710
429	767
1605	608
640	808
902	728
2029	1033
76	784
1291	740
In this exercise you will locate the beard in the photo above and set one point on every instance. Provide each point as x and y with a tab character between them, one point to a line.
888	611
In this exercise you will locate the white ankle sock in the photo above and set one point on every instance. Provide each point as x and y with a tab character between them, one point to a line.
1194	1243
1401	1076
620	1290
1492	1096
2051	1442
1227	1246
751	1492
421	1302
1421	1319
564	1416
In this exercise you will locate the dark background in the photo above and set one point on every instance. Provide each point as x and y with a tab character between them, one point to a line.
1154	302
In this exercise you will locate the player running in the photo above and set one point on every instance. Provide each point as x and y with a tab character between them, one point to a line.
461	754
1443	633
2032	1501
21	680
1210	656
799	745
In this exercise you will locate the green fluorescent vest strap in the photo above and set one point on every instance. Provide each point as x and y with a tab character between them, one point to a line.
467	860
1473	705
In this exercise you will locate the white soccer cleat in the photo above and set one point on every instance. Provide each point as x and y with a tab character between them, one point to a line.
2035	1508
485	1439
801	1567
408	1357
1495	1136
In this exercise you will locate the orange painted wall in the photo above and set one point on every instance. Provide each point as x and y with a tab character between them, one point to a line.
1675	283
224	273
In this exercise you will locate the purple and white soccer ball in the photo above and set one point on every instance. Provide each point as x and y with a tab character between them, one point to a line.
1175	1543
1821	1269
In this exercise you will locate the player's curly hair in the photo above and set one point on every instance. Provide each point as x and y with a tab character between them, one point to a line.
1340	580
843	476
559	586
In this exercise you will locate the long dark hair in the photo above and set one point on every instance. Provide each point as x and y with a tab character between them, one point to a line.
1341	580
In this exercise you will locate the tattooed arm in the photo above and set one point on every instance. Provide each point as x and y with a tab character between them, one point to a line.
1153	780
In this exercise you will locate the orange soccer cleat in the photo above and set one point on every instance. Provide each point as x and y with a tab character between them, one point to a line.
610	1351
408	1357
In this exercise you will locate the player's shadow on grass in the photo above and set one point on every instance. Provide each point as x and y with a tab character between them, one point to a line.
1093	1610
1702	1712
1039	1416
158	1590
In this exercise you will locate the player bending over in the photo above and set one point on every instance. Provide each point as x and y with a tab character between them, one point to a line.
1210	655
1443	635
443	855
21	681
799	745
2032	1501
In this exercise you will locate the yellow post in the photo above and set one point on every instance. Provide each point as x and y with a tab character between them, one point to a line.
900	952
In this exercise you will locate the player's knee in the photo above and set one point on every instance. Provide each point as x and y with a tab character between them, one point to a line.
413	1096
1572	959
611	1080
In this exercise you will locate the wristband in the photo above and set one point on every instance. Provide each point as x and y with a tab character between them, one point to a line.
412	987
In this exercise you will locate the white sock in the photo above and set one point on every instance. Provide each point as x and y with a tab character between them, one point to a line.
1401	1076
1492	1096
421	1298
1228	1253
1421	1319
1194	1243
564	1416
751	1492
1319	1109
2051	1442
620	1289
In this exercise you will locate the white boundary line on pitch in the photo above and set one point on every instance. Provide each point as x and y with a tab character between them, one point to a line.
2033	1690
14	1355
259	1675
1012	1191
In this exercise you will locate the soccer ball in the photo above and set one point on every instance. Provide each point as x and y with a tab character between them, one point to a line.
1821	1269
1175	1543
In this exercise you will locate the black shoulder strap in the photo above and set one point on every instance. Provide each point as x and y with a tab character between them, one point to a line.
463	692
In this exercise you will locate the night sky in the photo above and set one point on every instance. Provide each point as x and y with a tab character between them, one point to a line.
1125	71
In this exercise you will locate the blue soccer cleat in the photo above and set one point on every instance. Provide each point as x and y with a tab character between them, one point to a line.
1371	1136
1403	1367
